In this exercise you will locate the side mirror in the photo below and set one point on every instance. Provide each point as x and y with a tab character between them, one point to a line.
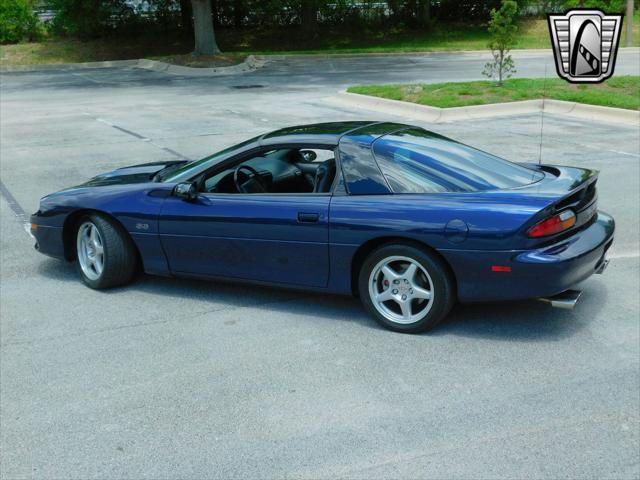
186	191
308	155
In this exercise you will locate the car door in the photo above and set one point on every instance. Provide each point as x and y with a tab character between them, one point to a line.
275	238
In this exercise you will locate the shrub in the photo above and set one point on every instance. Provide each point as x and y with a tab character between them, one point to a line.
608	6
90	18
503	29
17	21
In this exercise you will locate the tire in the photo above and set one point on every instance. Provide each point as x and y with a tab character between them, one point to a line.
105	254
414	289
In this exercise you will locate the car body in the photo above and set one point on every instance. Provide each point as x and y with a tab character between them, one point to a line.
393	183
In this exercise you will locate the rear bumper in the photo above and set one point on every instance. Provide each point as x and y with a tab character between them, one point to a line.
534	273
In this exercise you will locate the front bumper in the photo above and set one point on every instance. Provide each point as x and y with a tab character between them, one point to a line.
49	239
535	273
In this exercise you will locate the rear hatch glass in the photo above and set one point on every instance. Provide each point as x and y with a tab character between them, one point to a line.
417	161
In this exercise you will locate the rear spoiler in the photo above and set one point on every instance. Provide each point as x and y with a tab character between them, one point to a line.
575	189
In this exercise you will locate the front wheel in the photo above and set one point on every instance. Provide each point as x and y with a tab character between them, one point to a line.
405	288
105	254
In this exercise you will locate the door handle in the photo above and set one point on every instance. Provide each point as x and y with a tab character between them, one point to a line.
308	217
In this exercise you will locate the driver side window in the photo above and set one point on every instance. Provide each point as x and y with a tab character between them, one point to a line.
280	170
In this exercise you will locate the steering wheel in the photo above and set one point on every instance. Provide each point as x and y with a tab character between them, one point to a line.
257	181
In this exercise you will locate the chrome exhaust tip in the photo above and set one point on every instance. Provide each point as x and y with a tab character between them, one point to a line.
602	267
566	299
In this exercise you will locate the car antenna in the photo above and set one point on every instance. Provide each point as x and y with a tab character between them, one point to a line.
544	95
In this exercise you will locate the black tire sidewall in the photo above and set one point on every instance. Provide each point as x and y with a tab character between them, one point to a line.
443	286
113	238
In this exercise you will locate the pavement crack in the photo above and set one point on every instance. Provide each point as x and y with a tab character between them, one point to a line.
16	208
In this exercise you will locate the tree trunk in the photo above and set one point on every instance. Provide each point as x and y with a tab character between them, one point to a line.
629	21
205	40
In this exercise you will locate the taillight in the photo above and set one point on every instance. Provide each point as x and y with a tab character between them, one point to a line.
552	225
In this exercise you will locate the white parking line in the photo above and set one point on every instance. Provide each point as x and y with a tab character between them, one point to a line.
138	136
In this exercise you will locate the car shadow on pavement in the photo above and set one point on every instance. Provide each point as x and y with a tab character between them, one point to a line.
525	321
217	297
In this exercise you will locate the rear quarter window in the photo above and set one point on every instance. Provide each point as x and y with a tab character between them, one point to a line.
417	161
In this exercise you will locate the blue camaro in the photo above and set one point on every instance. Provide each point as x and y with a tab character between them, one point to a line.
408	220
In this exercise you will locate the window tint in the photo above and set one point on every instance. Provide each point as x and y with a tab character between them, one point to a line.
322	155
191	168
417	161
332	129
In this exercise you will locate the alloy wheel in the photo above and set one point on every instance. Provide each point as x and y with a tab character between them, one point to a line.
401	289
90	250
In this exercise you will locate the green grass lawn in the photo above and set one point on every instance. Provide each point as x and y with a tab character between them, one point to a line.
532	34
75	51
620	92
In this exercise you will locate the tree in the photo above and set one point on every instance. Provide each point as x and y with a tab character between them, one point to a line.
205	39
238	13
88	18
309	15
17	21
629	20
424	13
185	18
608	6
503	29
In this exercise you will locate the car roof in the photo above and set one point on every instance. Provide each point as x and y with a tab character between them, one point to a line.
330	133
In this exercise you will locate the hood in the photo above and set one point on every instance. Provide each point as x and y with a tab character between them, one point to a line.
134	174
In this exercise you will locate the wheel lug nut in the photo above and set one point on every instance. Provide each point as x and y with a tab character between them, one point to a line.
404	297
395	292
411	292
396	282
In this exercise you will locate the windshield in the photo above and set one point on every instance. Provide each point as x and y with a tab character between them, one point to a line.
193	168
417	161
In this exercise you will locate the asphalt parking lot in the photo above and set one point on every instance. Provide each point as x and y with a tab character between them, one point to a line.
171	378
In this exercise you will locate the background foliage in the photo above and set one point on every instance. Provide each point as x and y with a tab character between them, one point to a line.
86	19
17	21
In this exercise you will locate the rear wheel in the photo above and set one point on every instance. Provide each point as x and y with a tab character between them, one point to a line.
105	254
405	288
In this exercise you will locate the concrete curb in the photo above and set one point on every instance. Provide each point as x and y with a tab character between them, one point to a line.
593	112
254	61
437	115
68	66
249	64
